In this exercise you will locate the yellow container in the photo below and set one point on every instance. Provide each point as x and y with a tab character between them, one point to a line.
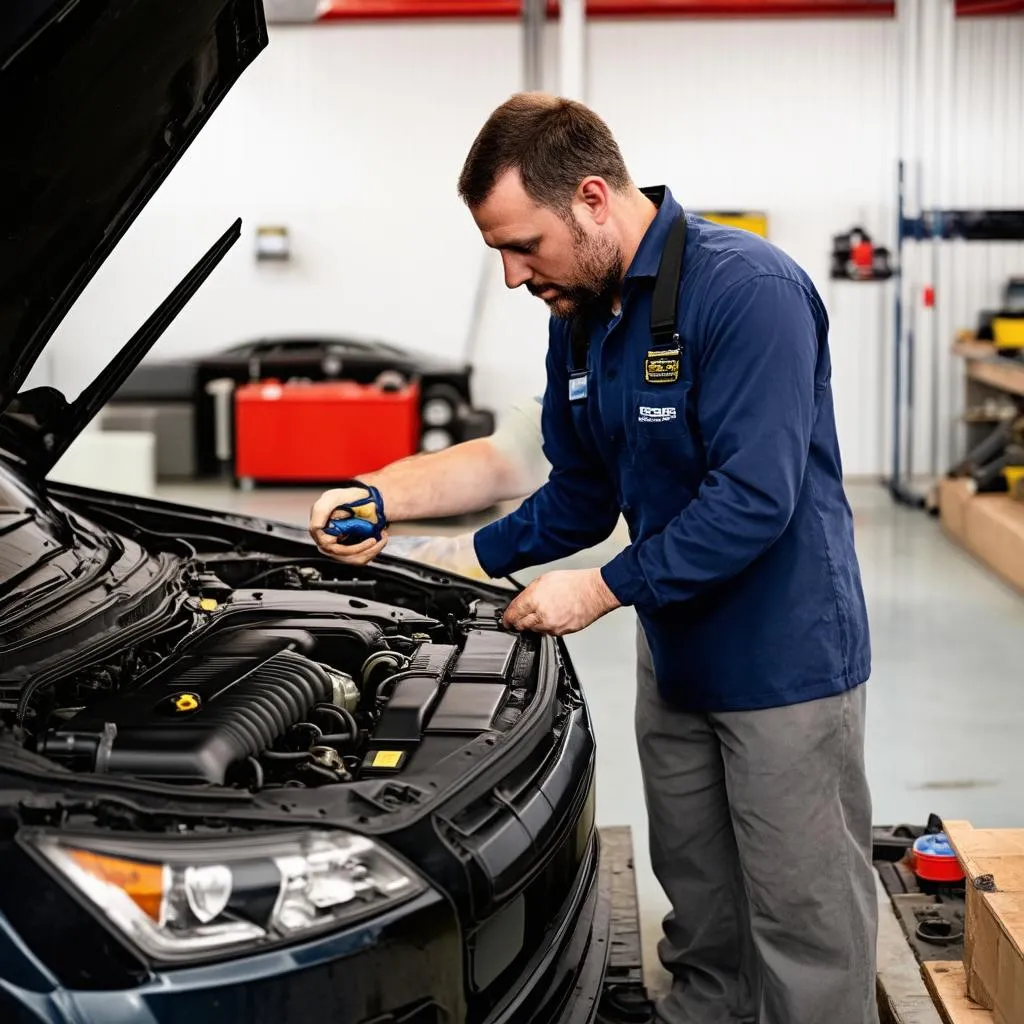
1013	474
753	221
1008	331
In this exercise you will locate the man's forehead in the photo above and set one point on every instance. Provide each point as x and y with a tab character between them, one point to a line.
508	216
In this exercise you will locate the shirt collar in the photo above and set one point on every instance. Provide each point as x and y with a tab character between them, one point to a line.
648	254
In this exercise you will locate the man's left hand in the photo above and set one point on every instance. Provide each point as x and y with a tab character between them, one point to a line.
561	602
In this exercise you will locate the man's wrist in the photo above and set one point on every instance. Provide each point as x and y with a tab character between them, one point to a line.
603	595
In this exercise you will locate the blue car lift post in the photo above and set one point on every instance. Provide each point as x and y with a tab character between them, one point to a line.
979	225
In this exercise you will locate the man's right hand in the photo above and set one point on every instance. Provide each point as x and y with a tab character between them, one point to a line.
350	554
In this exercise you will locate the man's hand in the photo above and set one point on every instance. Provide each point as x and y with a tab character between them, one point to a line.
561	602
350	554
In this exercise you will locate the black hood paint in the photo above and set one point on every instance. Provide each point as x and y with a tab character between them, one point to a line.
99	99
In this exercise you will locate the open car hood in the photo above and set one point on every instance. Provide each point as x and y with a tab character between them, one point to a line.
99	99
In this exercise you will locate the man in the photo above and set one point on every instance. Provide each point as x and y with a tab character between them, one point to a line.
688	387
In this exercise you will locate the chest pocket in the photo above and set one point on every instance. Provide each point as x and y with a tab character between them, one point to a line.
662	429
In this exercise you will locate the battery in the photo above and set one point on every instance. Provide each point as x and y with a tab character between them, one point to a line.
318	432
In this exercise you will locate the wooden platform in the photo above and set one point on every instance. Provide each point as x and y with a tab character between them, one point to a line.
989	526
947	983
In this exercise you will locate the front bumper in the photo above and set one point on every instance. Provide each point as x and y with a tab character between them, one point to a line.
402	968
562	983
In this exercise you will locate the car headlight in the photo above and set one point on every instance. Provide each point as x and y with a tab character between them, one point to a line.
176	899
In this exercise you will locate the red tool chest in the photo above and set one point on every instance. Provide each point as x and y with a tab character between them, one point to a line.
320	432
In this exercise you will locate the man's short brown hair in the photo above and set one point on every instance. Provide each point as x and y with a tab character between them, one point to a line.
554	143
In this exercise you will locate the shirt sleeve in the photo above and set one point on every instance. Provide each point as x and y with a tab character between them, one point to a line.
757	406
575	509
520	440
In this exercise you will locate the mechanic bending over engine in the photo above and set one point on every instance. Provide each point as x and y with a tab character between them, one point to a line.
688	388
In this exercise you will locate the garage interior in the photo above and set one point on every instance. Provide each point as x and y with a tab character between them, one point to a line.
880	144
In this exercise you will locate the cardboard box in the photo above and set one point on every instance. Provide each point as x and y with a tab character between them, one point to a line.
993	526
993	861
953	498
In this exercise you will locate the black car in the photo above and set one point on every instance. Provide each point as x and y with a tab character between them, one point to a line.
239	781
188	402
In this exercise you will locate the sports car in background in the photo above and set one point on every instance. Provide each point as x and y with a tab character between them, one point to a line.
239	781
191	398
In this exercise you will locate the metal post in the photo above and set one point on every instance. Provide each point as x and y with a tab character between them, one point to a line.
573	49
534	18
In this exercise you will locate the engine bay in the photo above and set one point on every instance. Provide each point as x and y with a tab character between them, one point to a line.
272	673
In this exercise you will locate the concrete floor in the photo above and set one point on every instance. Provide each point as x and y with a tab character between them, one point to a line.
945	710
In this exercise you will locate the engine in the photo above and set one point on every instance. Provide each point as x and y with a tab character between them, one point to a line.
285	688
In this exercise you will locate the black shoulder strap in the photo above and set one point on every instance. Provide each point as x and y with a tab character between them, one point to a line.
580	341
665	300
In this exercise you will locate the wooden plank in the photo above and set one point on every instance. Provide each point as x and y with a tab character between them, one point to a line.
996	851
948	985
902	996
987	366
968	347
994	925
1001	374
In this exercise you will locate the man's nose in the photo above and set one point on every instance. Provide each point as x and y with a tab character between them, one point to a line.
516	271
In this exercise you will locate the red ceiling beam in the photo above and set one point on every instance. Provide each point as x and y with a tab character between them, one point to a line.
354	10
988	8
383	10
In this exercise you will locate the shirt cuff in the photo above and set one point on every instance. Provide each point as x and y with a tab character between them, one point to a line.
491	551
625	579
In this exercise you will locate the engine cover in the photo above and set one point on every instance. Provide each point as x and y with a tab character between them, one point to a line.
213	705
249	687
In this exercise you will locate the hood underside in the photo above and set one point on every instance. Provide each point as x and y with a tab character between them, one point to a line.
99	99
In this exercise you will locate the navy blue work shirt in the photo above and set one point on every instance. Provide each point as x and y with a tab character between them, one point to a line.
741	565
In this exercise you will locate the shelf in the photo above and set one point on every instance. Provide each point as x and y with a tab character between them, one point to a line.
987	367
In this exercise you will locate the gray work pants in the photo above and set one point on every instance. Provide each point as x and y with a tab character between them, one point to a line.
760	835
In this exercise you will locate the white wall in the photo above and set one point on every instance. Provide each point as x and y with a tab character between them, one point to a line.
794	117
353	137
983	167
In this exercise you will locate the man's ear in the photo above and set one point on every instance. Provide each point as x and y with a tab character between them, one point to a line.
594	196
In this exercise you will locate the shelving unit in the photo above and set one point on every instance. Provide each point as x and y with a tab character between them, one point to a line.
936	225
988	377
989	526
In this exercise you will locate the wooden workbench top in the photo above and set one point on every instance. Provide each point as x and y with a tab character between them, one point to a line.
984	364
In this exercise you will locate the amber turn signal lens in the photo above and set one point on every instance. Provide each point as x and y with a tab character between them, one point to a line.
142	883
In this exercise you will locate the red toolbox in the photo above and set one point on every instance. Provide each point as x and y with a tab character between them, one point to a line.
320	432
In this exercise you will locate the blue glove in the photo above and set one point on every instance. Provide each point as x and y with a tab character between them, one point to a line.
366	516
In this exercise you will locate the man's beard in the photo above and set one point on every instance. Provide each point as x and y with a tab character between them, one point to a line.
598	274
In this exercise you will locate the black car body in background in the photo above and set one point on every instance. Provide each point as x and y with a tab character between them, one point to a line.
239	781
190	399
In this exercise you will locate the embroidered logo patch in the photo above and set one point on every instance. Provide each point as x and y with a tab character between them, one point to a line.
656	413
662	367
